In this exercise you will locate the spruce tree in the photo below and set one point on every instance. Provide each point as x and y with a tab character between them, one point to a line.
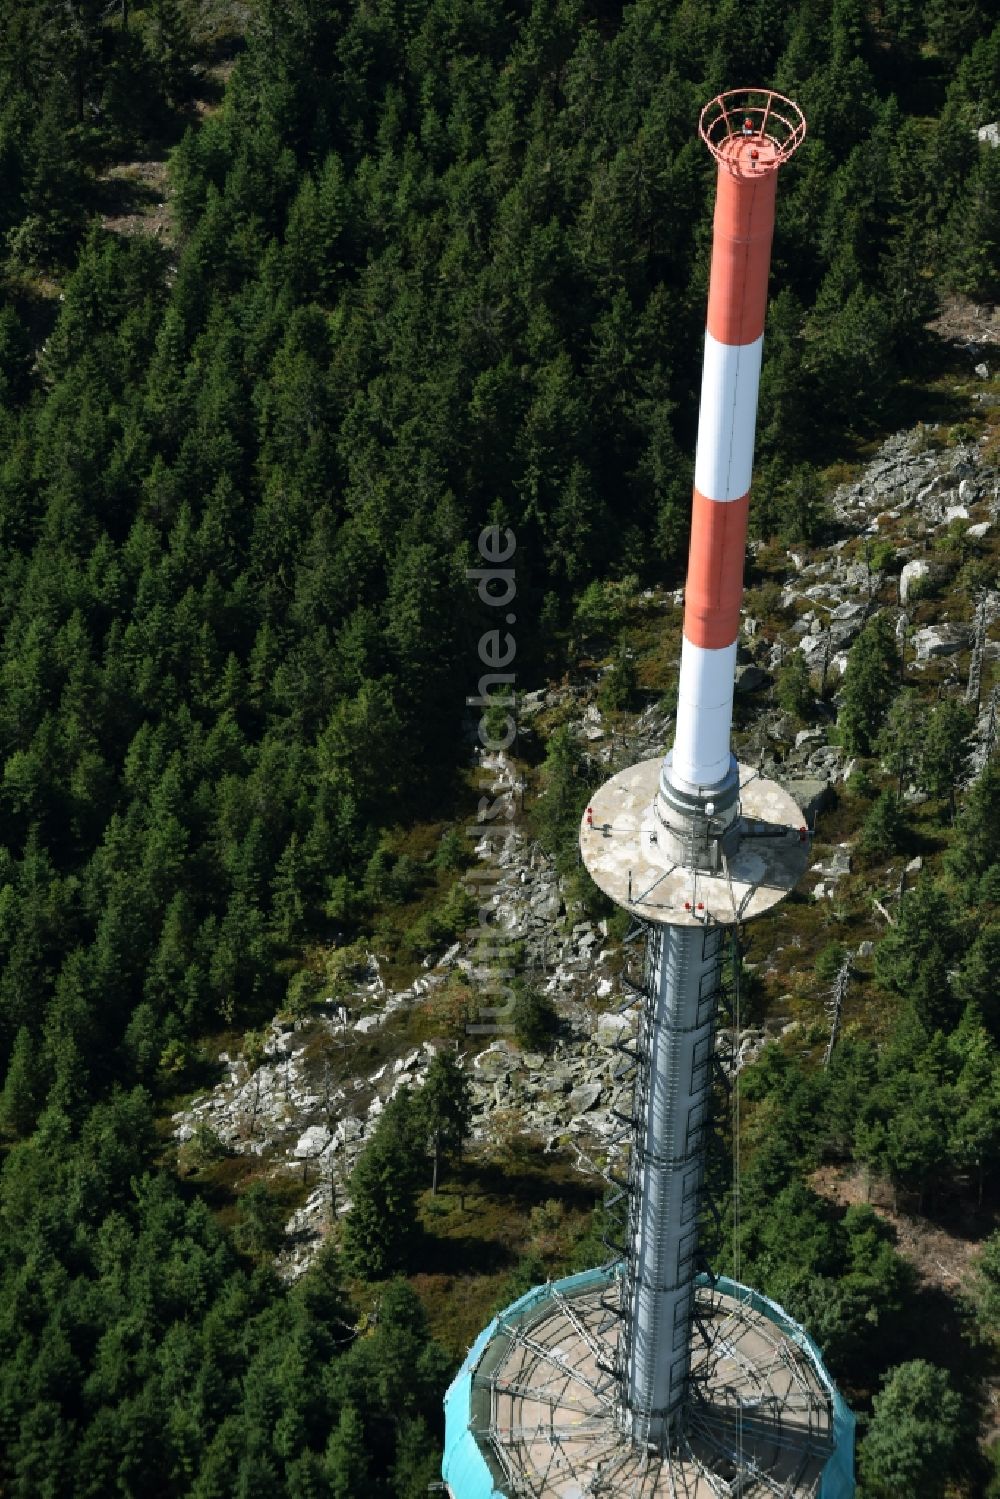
381	1229
793	687
882	827
946	734
444	1107
915	958
346	1461
417	1468
976	849
914	1434
871	675
21	1097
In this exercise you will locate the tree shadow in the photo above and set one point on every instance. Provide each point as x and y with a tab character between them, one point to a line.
527	1184
36	309
440	1254
123	193
225	46
937	1329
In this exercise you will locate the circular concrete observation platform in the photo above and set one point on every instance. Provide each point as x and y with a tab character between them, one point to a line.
622	845
533	1412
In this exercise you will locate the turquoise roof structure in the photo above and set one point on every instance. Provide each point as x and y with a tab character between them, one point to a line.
471	1472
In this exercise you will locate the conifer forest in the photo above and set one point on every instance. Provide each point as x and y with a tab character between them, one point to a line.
298	300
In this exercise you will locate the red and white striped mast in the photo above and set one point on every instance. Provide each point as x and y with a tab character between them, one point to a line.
750	133
696	843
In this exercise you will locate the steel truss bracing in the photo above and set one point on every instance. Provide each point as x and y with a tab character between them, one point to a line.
758	1418
559	1395
653	1208
684	967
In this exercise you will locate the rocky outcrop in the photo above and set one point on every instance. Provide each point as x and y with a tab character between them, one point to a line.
307	1103
307	1106
910	474
939	640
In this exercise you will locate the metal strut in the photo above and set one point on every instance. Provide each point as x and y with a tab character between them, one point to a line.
663	1156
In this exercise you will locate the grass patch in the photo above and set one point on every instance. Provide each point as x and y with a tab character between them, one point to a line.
657	643
487	1217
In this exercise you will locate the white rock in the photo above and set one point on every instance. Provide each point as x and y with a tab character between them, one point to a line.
912	573
584	1098
847	609
612	1027
314	1140
346	1132
990	134
368	1023
983	371
837	863
967	492
957	512
812	645
979	530
938	640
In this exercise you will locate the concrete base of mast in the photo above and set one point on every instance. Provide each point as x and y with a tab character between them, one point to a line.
697	823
